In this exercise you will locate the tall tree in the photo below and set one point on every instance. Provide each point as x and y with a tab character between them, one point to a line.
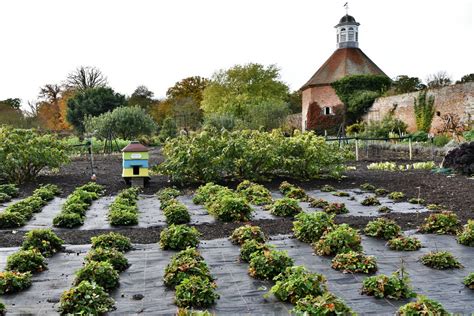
405	84
294	101
466	78
141	97
86	77
10	113
191	87
438	80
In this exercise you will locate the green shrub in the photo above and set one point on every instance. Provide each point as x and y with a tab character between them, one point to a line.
325	304
396	196
205	193
179	237
196	291
268	264
102	273
167	194
165	203
404	243
419	136
341	194
285	207
123	217
230	208
441	223
285	187
26	261
4	197
318	203
309	227
11	220
422	306
381	192
47	192
43	240
382	228
116	258
339	239
370	201
254	193
124	210
112	241
87	299
9	189
184	266
440	260
327	188
434	207
384	209
13	281
354	262
243	233
469	281
177	213
296	283
68	220
441	140
3	309
416	201
297	194
251	246
367	187
27	206
397	286
187	312
336	208
469	135
466	236
92	187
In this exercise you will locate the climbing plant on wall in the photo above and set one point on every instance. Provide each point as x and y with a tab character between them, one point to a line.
424	111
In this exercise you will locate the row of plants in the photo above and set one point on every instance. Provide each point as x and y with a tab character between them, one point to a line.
74	209
175	212
18	213
98	276
124	209
447	222
7	192
392	166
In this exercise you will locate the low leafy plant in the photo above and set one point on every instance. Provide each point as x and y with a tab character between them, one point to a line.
336	208
165	203
434	207
102	273
396	196
184	266
404	243
26	261
87	299
196	291
92	187
254	193
441	223
250	246
14	281
124	210
354	262
4	197
167	194
384	209
325	304
397	286
381	192
179	237
338	239
297	193
47	192
440	260
177	213
43	240
112	241
466	236
68	220
11	220
205	193
268	264
367	187
285	187
3	309
309	227
243	233
10	190
229	207
318	203
422	306
116	258
285	207
187	312
382	228
296	283
341	193
469	281
328	188
370	201
416	201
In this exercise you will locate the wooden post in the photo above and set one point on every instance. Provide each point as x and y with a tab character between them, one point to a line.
410	148
357	149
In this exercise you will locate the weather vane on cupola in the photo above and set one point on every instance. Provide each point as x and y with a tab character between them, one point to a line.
346	6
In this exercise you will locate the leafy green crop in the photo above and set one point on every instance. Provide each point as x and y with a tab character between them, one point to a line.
229	207
404	243
26	261
338	239
370	201
254	193
396	196
43	240
251	246
336	208
367	187
354	262
196	291
184	265
268	264
102	273
13	281
396	286
112	241
247	232
327	188
124	210
422	306
87	299
469	281
466	236
177	213
116	258
167	194
382	228
441	223
318	203
440	260
325	304
285	207
309	227
179	237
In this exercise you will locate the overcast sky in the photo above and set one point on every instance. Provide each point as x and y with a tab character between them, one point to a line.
158	42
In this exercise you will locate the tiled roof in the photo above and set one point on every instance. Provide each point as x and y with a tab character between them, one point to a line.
135	147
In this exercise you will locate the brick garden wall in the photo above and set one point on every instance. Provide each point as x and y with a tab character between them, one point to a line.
325	96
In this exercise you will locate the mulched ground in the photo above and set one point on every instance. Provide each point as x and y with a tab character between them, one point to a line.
454	192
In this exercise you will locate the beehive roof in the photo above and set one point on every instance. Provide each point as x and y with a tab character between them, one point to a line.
343	62
135	147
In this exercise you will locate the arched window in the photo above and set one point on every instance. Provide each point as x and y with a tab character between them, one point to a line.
327	110
351	34
343	35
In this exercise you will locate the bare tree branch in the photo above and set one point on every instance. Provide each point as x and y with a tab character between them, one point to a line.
85	77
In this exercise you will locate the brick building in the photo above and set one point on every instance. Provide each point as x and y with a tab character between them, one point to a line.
348	59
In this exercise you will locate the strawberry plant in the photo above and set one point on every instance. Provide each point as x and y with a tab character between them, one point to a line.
404	243
309	227
434	207
466	236
183	266
268	264
86	298
254	193
370	201
367	187
43	240
11	220
354	262
341	194
68	220
47	192
167	194
193	312
338	239
327	188
177	213
112	241
179	237
26	261
285	187
422	306
205	193
396	196
440	260
384	209
116	258
285	207
441	223
230	208
325	304
102	273
3	309
196	291
124	210
381	192
397	286
247	232
13	281
382	228
297	193
416	201
318	203
469	281
251	246
296	283
336	208
10	190
93	188
4	197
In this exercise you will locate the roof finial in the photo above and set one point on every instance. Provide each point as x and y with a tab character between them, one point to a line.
346	5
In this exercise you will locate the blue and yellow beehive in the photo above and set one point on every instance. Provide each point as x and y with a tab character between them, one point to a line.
135	161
